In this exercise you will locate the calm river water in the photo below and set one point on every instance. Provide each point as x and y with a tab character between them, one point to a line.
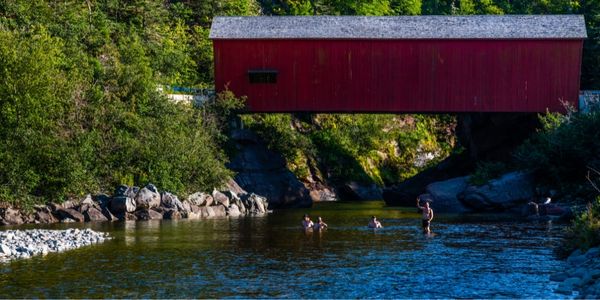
475	257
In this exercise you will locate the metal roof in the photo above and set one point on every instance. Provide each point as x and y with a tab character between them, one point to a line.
400	27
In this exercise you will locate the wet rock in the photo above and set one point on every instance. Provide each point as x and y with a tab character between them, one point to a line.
109	216
122	204
44	216
148	214
219	211
171	201
255	204
172	215
93	214
405	193
10	216
593	252
233	211
576	258
148	197
511	190
220	198
321	194
128	217
69	213
200	199
444	195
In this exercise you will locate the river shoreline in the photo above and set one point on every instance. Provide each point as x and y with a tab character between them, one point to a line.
20	244
130	203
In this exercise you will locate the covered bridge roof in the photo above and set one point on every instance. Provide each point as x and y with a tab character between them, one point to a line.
400	27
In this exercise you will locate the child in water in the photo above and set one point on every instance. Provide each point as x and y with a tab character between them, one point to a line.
307	223
320	225
374	223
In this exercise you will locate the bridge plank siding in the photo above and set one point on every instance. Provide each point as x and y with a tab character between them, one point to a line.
410	75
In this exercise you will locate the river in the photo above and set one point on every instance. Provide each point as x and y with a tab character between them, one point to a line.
263	257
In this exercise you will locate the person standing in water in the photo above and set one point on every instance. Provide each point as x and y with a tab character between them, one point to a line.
307	223
427	215
374	223
320	225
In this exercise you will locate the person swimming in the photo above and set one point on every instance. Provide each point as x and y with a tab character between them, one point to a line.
374	223
426	217
320	225
307	223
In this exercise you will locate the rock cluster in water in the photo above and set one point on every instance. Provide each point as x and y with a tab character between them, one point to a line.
582	275
147	203
16	244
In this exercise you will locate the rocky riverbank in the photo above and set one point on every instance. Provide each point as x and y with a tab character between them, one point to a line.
16	244
147	203
582	276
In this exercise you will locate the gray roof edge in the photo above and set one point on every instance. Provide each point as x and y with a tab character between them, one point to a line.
399	27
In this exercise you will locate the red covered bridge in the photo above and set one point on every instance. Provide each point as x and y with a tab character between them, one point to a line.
509	63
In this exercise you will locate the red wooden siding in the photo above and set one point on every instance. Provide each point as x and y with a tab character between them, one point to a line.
402	75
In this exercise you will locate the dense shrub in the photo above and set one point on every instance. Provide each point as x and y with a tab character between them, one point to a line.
584	233
564	150
79	106
369	148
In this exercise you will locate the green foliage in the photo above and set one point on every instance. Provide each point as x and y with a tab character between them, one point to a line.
562	152
487	171
79	107
584	233
372	148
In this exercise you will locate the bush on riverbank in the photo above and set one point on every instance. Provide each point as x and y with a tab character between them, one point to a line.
79	106
563	152
584	233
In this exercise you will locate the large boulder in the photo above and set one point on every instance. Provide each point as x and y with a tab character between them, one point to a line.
405	193
69	213
233	211
234	187
255	204
106	212
509	191
148	197
220	198
43	215
172	214
11	216
262	171
148	214
234	200
126	191
94	214
444	195
213	211
219	211
102	199
200	199
122	204
170	201
354	191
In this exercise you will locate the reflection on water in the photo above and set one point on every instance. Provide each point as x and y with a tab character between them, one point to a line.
475	257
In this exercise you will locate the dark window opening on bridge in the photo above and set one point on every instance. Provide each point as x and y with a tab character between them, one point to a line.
262	76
